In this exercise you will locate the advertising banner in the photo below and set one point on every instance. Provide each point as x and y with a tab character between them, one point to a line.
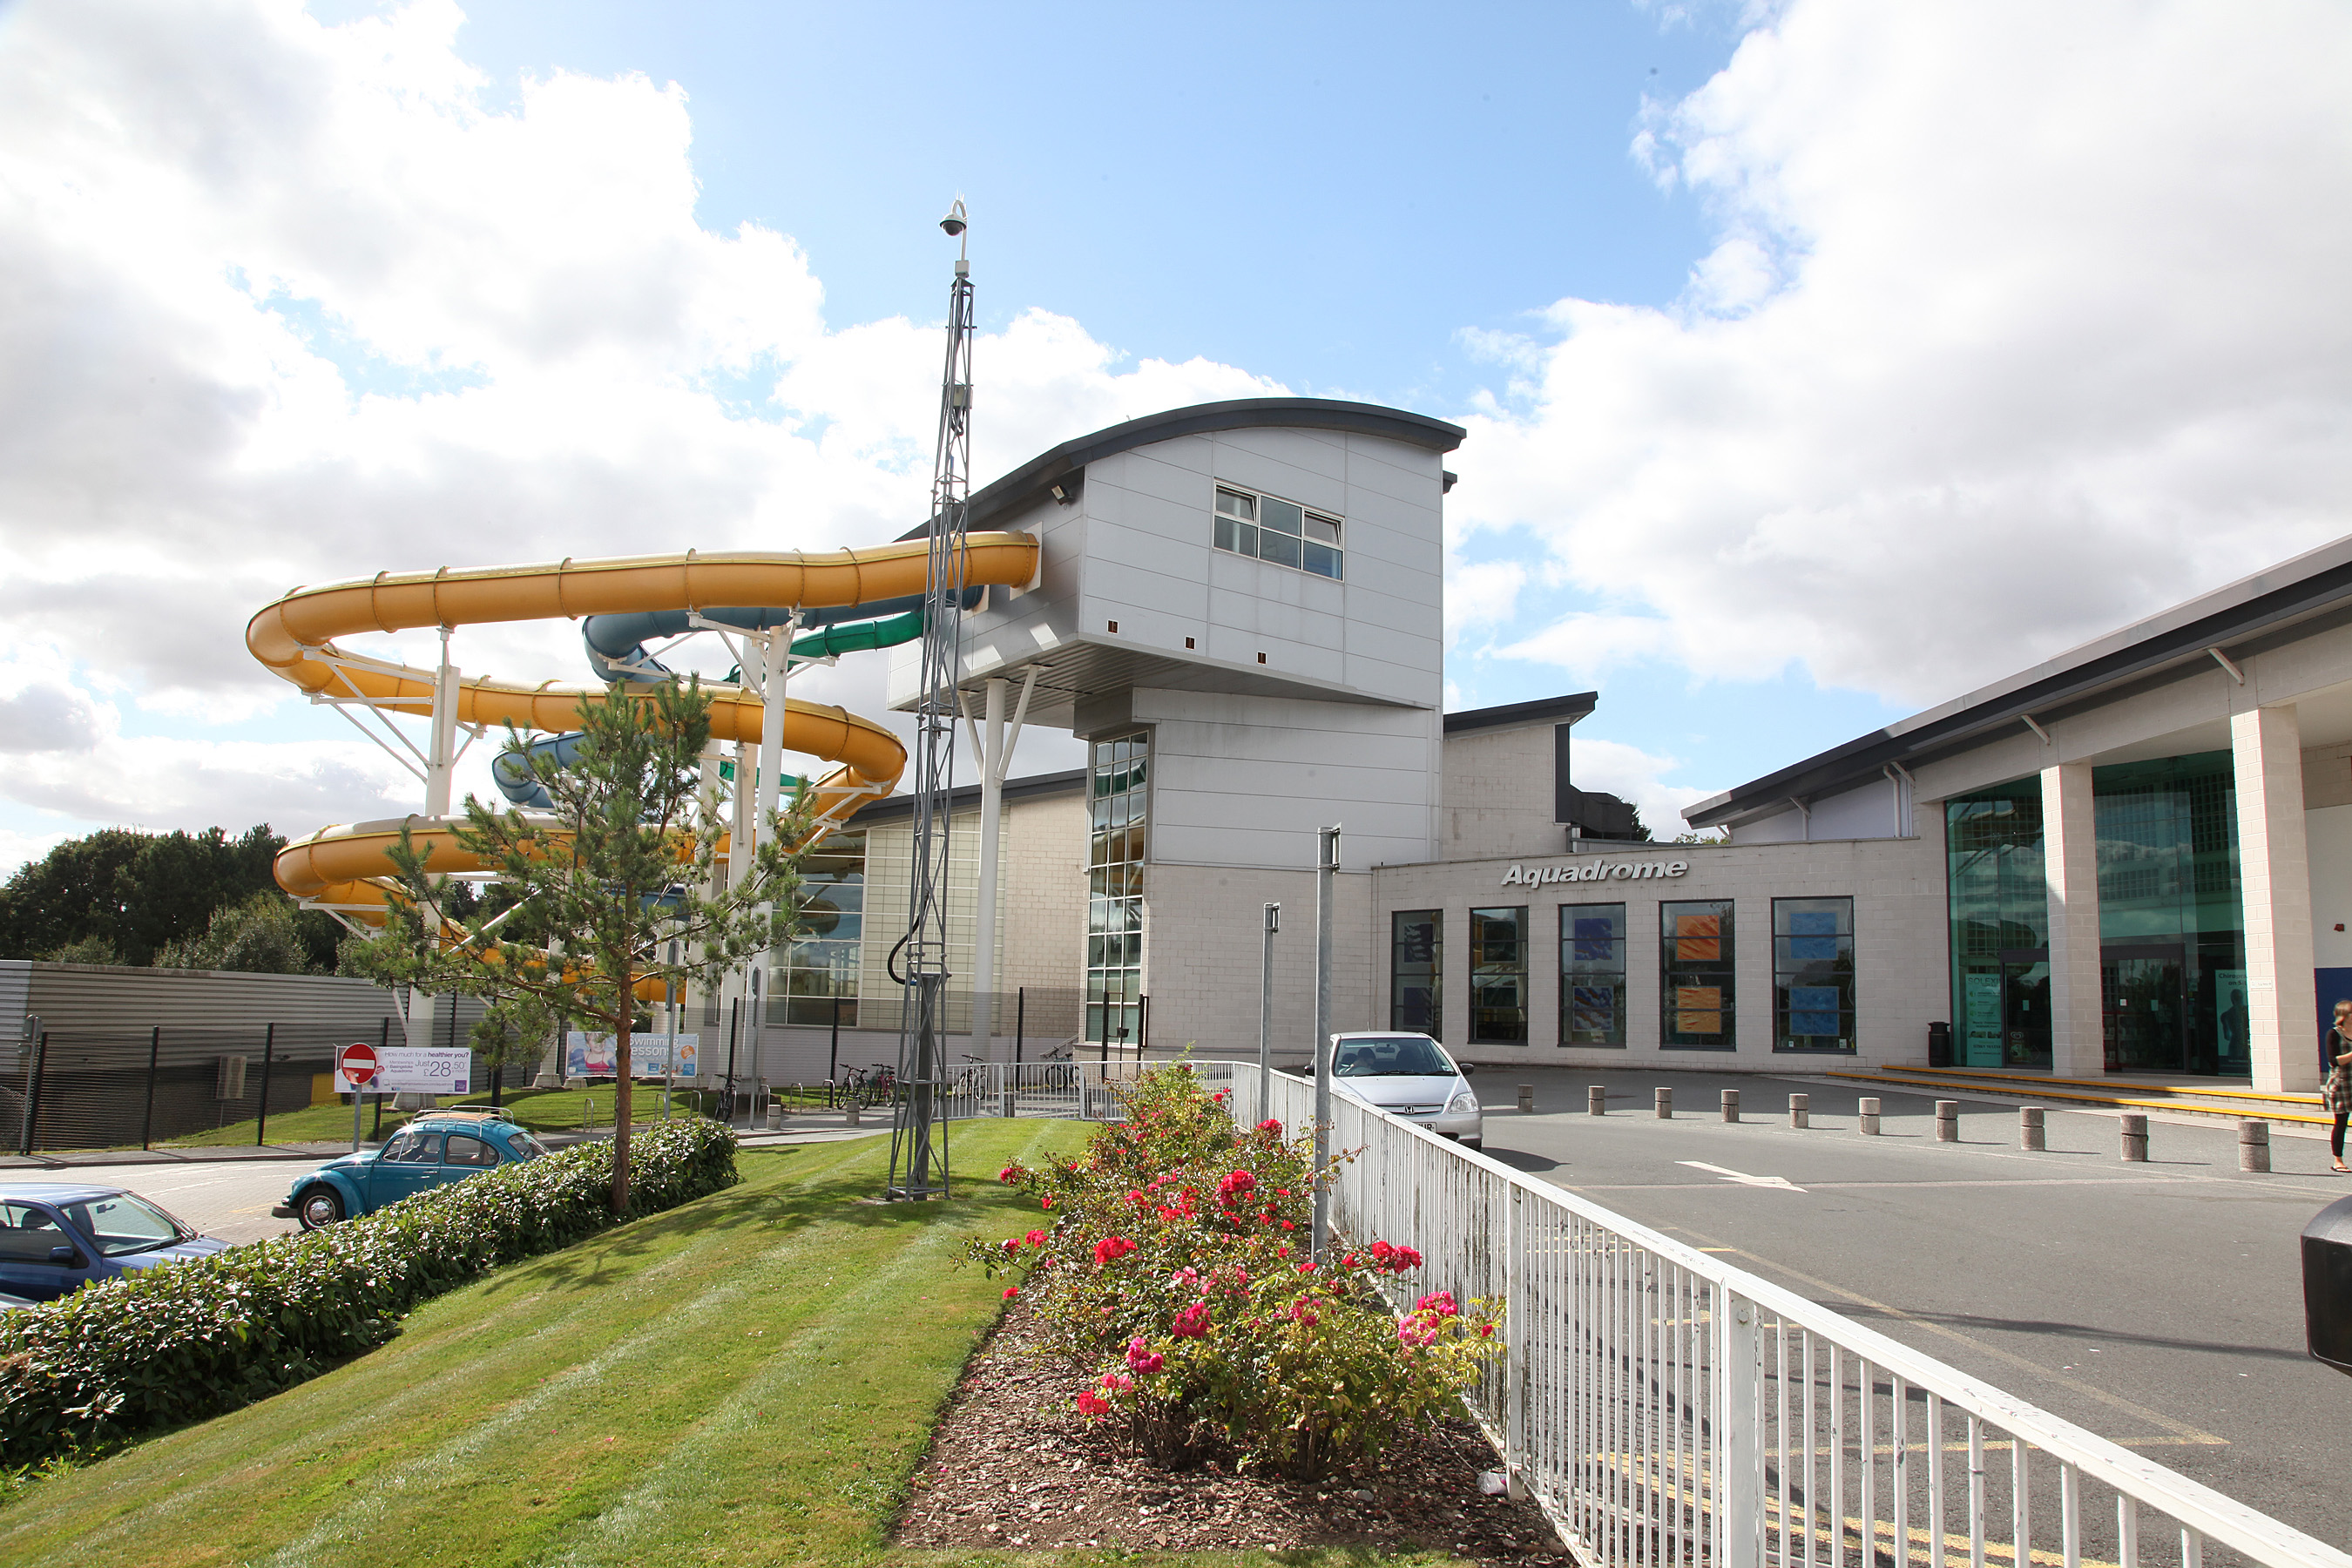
650	1056
423	1069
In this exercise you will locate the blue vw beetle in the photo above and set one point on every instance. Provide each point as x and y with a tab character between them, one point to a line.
436	1147
56	1236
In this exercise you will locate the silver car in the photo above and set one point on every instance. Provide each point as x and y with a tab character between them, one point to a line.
1409	1076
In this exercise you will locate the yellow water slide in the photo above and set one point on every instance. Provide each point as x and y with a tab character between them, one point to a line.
345	866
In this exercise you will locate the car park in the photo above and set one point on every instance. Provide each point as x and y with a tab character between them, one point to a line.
56	1236
435	1149
1409	1076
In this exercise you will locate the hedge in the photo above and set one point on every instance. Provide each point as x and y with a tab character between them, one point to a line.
182	1342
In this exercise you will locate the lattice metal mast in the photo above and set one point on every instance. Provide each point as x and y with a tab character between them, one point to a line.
918	1154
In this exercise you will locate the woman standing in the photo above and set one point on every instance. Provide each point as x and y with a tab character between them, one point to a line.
2336	1092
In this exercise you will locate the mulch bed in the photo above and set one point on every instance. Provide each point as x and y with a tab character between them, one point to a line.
1013	1465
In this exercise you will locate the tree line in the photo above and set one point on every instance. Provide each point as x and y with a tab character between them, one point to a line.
173	901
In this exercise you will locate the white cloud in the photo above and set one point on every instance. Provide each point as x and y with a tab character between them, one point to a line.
2024	319
1634	775
295	303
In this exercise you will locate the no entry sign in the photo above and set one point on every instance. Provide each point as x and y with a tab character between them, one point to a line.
355	1069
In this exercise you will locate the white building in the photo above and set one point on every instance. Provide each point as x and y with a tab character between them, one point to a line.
2105	863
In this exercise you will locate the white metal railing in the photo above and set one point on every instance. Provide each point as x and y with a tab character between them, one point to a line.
1667	1409
1078	1089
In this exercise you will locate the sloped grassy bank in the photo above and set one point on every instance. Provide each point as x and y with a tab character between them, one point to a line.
748	1378
191	1340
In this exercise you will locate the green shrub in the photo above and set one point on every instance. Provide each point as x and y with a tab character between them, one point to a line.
187	1340
1171	1262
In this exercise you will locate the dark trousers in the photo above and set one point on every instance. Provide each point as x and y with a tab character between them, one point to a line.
2336	1139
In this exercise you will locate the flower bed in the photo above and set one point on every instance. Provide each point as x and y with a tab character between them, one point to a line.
187	1340
1171	1262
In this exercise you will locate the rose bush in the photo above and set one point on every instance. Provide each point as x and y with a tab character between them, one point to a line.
1173	1267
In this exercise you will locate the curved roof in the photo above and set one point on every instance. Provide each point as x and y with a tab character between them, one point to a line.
1033	480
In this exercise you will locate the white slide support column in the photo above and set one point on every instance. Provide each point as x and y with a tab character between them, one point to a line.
2070	863
993	744
2274	881
441	747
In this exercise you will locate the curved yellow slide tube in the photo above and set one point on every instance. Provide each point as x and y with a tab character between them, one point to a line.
294	638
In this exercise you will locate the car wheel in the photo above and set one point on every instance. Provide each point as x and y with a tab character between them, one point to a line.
318	1208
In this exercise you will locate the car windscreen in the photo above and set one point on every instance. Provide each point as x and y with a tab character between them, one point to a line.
123	1223
1407	1055
525	1146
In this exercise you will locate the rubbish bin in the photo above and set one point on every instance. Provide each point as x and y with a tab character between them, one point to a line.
1939	1044
2328	1285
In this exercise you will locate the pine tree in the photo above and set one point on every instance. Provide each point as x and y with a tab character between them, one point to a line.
605	882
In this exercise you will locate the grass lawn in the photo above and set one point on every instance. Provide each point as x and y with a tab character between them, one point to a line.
749	1379
541	1109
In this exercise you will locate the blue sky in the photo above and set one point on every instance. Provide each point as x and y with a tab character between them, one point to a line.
1822	359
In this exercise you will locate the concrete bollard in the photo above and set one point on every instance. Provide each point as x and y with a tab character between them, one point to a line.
1527	1097
775	1116
2255	1146
1801	1110
2135	1138
2029	1134
1665	1100
853	1113
1869	1120
1596	1100
1948	1122
1731	1105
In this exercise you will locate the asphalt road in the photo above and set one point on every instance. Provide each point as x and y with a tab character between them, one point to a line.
2157	1305
227	1198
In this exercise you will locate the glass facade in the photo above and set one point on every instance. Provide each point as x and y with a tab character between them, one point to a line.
1498	977
2171	936
1812	975
820	965
1592	974
1698	1000
1119	802
1416	970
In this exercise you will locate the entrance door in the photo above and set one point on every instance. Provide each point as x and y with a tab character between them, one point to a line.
2143	990
2024	1007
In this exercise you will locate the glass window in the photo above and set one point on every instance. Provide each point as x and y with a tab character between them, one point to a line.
1119	805
1416	967
1280	532
525	1146
1812	975
1410	1056
27	1233
465	1151
818	970
122	1224
1699	1002
1592	974
1498	976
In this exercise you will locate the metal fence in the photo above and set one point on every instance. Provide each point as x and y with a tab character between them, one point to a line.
80	1089
1667	1409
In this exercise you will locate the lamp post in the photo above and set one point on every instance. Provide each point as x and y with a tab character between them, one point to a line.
1327	860
1265	1013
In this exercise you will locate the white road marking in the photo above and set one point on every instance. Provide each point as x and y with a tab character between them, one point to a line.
1742	1177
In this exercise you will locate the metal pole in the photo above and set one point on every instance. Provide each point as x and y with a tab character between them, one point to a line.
442	744
377	1130
147	1123
261	1117
359	1103
1327	860
1019	1021
832	1053
36	1038
1273	923
734	1028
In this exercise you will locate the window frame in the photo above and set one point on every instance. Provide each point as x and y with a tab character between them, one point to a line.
1434	971
1724	967
1480	965
1786	969
1569	976
1230	525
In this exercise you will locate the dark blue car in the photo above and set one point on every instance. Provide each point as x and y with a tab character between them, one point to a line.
436	1148
56	1236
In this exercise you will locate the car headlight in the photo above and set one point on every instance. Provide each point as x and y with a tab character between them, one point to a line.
1466	1100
